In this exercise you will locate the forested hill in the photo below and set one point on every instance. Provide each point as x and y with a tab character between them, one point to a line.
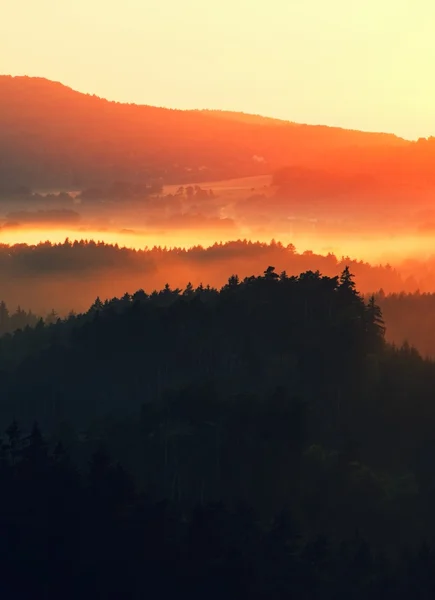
54	137
277	447
265	330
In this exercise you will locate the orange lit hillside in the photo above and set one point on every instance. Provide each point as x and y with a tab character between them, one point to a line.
52	136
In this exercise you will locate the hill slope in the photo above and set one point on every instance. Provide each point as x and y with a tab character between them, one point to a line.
53	136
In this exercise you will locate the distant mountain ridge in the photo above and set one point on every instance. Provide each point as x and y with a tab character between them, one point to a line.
52	136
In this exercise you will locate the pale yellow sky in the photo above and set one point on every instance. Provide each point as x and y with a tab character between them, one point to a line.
363	64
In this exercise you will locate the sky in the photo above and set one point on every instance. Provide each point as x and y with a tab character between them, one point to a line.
364	64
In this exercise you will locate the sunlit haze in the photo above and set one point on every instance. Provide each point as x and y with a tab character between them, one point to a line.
363	65
372	248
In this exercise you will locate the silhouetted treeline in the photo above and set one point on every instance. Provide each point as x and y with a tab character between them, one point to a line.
115	192
71	274
23	259
120	191
19	195
196	333
89	532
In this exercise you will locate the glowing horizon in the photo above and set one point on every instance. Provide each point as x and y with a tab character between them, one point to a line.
358	66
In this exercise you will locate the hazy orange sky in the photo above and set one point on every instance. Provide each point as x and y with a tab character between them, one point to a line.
365	65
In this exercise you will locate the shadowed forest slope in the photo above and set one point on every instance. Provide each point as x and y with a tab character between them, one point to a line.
291	370
261	440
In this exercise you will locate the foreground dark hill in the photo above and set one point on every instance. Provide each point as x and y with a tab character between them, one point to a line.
142	346
275	391
52	136
272	446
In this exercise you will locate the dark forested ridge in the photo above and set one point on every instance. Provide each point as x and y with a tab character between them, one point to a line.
68	276
237	337
261	440
71	274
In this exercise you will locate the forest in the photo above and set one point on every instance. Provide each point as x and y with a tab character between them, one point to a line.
67	277
263	425
207	263
217	300
262	439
